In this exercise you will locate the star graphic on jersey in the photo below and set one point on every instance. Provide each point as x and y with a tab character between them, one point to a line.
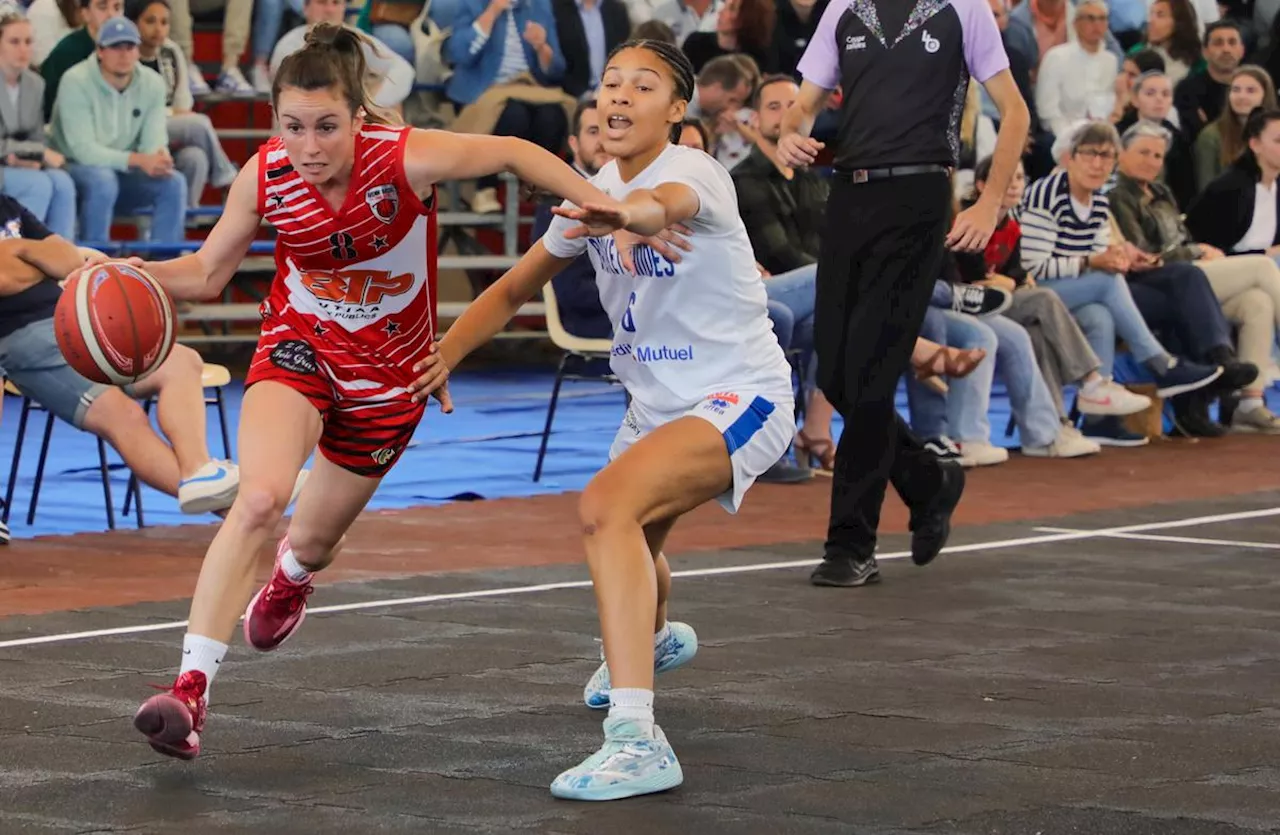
278	200
392	328
380	242
318	329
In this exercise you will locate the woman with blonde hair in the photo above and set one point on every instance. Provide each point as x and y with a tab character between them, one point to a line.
1222	141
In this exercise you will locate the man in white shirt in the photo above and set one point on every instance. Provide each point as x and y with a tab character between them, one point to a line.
393	76
1077	79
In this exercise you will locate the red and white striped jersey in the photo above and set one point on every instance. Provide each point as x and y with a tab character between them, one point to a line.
358	283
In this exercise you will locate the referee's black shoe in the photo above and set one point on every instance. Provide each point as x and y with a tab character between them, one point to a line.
845	572
931	521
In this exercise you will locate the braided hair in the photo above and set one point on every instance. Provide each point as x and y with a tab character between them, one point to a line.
676	61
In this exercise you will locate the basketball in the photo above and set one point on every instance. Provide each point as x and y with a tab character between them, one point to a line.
115	324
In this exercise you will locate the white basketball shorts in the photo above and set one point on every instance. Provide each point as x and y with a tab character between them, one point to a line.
757	428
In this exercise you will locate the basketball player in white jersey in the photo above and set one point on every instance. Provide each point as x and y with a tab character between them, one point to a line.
351	310
712	403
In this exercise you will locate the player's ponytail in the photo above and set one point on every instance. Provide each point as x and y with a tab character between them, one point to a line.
333	56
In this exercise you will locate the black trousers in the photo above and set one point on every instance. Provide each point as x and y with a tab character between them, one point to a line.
1177	302
881	253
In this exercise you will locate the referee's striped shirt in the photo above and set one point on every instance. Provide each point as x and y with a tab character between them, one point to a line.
1054	238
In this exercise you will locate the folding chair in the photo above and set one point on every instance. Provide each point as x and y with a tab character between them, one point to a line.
576	350
28	406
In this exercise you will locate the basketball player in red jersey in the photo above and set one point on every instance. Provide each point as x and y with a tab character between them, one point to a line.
351	311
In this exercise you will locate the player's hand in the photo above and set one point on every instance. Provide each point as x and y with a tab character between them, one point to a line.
668	243
93	258
1208	252
973	227
597	219
433	380
797	151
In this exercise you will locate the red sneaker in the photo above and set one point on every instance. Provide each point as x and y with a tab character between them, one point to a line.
173	721
278	609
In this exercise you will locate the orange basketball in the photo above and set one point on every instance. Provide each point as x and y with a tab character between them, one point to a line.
115	324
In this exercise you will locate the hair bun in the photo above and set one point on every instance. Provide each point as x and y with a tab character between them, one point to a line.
333	35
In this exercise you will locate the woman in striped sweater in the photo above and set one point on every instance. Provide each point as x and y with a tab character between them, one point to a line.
1067	248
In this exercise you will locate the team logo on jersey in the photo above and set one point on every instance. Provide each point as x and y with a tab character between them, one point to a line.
384	202
382	456
931	44
355	289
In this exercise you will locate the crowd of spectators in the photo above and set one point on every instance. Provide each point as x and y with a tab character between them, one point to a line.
1140	239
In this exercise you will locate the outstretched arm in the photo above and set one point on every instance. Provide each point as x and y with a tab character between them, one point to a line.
433	156
644	212
485	316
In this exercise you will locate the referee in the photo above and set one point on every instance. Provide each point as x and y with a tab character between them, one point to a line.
904	69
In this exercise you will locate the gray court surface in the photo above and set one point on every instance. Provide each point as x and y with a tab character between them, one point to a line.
1033	683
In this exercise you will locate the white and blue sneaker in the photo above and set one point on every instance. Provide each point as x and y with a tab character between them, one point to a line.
629	763
211	488
677	650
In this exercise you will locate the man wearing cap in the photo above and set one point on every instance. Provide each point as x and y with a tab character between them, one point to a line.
75	46
109	122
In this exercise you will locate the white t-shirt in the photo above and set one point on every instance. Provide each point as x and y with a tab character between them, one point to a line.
684	331
1262	230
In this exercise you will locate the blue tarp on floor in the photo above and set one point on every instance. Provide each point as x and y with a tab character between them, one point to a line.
486	449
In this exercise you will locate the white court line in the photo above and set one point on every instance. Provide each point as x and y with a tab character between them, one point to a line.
1182	540
695	572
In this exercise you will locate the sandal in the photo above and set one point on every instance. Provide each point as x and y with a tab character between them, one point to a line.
955	363
818	454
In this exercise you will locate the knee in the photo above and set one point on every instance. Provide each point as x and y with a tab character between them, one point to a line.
114	415
182	363
259	506
599	510
62	185
100	182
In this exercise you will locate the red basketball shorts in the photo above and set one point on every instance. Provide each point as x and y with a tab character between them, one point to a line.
367	423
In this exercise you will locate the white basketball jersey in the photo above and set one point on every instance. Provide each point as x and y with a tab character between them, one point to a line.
684	331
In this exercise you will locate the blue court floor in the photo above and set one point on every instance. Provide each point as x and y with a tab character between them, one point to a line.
486	449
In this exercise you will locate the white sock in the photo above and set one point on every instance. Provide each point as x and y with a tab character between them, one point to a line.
1092	387
661	635
293	569
203	654
633	704
1248	404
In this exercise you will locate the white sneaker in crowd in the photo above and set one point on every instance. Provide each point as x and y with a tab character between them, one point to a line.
195	80
981	454
1069	444
1110	398
211	488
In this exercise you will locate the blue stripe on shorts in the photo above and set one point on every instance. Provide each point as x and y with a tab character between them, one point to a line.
742	430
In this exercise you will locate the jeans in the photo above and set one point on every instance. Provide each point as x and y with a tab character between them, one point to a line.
968	400
49	194
397	39
791	304
198	154
267	17
1104	308
105	192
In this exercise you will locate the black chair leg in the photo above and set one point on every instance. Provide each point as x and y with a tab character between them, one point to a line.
106	484
222	422
1010	426
44	454
17	456
551	416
